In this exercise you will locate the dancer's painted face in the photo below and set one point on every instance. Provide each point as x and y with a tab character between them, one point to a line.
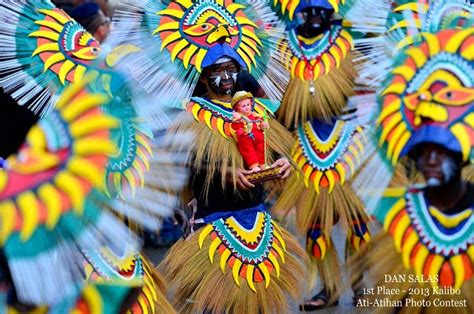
437	164
221	78
316	20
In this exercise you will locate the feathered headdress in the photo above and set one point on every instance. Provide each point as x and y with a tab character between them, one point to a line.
421	71
180	38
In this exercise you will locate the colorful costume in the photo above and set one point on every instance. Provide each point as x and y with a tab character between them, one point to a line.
43	52
424	95
330	147
240	260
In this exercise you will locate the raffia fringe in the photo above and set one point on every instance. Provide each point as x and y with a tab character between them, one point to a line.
324	208
196	285
332	91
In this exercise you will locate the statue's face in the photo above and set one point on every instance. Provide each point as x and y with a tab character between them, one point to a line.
437	164
221	78
316	20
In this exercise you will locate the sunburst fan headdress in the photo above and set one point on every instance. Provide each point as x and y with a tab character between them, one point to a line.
182	37
421	71
42	51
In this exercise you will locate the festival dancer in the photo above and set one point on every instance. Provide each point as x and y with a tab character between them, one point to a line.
318	53
424	94
238	260
38	63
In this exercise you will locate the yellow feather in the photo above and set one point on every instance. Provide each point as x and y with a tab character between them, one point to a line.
169	39
52	200
420	259
399	130
55	15
459	273
178	48
188	55
171	12
171	26
243	20
418	56
395	119
405	71
307	173
236	271
144	159
87	171
208	118
266	274
64	70
246	32
213	247
204	233
233	7
342	172
199	57
73	189
280	252
50	24
397	88
82	104
284	4
144	142
131	181
407	248
464	139
456	41
224	257
335	55
331	180
277	235
45	34
275	263
393	212
406	23
79	73
400	230
46	47
250	270
87	147
389	109
327	63
57	57
398	149
413	6
8	218
83	127
36	138
435	266
317	179
93	298
244	57
220	127
29	209
249	52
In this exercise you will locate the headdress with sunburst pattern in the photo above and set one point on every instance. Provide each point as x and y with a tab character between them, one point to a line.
42	51
321	67
182	37
421	72
421	69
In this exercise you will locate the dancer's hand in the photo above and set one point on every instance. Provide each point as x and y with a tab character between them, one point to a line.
180	218
285	167
241	181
